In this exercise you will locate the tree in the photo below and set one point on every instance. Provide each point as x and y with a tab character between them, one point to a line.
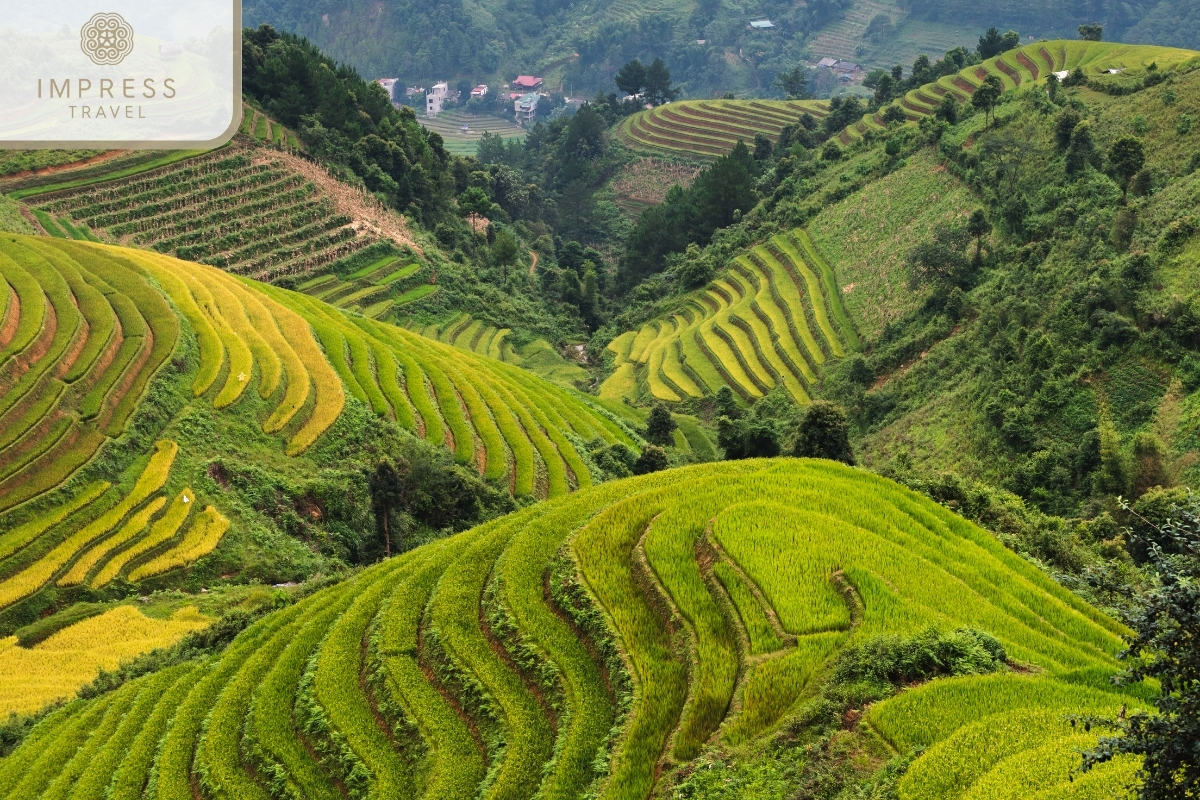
939	262
1082	151
794	83
894	113
660	427
883	89
1064	126
986	97
1011	41
762	147
727	404
504	251
1091	33
631	78
831	152
475	201
387	490
977	228
747	438
1164	647
990	44
824	433
651	459
658	84
1126	158
947	110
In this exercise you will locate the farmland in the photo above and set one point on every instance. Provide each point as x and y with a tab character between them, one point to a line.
488	665
449	126
774	319
85	329
384	284
702	129
538	356
1023	67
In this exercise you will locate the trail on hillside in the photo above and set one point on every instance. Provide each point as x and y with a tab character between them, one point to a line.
533	262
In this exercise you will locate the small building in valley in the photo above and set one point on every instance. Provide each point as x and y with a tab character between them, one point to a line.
390	85
435	99
762	24
527	83
479	91
525	106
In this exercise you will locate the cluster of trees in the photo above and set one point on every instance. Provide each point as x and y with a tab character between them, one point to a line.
652	84
775	426
718	197
348	122
889	85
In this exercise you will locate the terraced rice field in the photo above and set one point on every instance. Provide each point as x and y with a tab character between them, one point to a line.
84	329
1023	67
538	356
266	130
376	290
498	662
711	128
449	125
241	208
775	318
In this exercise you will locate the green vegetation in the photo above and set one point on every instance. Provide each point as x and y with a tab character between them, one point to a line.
449	124
469	654
709	128
770	321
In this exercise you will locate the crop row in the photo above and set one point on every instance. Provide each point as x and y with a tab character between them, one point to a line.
713	127
773	319
88	335
1025	66
452	671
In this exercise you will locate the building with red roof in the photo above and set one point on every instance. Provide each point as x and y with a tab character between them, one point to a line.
527	82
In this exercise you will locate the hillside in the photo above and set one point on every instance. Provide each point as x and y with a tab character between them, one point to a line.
139	389
488	661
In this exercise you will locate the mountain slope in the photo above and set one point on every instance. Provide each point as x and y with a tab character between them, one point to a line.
489	661
133	383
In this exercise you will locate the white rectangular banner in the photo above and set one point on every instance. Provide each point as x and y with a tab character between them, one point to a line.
120	73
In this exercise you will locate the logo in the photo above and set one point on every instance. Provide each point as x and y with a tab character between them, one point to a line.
106	39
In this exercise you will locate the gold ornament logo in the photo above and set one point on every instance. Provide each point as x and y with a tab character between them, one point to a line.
106	39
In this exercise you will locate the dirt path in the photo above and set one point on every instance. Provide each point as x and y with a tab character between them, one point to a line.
368	214
533	262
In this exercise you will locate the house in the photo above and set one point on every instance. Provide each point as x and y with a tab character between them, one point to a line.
525	107
762	24
527	83
435	98
390	85
827	63
479	91
845	68
414	90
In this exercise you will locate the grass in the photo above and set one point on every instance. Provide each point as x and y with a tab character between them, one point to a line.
902	209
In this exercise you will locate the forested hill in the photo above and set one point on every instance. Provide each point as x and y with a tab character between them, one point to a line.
580	44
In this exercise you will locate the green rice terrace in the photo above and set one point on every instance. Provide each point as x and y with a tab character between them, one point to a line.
1026	66
380	287
589	645
86	329
773	319
538	356
710	128
449	125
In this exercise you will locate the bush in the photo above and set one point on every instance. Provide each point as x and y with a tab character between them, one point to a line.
652	459
899	660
